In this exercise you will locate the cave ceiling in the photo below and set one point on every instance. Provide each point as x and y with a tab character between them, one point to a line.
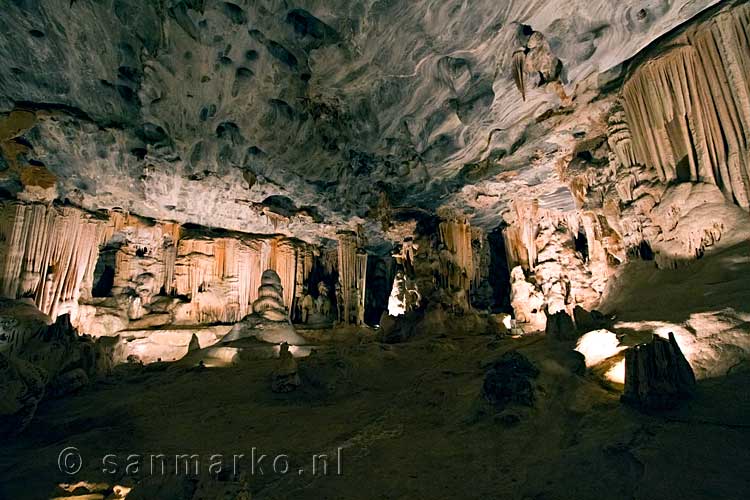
305	117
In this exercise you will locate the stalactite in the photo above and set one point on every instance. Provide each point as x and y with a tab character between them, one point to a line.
249	270
231	269
662	106
195	266
305	261
480	256
689	109
519	59
527	212
170	259
329	258
284	262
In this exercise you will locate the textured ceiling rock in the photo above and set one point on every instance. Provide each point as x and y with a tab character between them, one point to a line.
200	110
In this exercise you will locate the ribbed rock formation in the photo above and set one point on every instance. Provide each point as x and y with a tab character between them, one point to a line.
270	302
689	108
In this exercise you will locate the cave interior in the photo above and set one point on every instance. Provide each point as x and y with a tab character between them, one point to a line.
374	249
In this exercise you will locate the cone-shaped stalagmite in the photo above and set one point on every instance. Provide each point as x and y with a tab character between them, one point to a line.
270	302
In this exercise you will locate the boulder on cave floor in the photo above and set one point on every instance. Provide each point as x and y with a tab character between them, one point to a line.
560	327
22	387
508	381
587	321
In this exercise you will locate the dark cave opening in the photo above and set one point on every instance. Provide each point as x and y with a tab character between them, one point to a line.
104	273
499	277
378	286
582	245
644	251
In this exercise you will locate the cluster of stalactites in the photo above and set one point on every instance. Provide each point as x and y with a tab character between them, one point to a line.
689	109
47	254
231	268
144	248
352	268
522	247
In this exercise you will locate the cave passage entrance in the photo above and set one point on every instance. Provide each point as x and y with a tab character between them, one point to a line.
104	272
499	277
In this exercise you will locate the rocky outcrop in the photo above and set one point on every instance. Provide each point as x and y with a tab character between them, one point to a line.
657	375
21	389
560	327
52	361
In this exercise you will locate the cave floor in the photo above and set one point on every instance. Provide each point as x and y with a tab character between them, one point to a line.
409	422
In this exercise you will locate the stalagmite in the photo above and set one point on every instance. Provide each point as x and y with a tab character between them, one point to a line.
269	304
221	276
361	274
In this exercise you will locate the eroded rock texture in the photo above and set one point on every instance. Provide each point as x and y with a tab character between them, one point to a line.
333	105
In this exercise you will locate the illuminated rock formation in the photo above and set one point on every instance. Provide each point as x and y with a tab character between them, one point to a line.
657	375
270	304
269	322
689	109
458	267
48	253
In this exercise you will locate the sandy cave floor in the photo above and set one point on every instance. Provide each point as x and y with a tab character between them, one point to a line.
410	422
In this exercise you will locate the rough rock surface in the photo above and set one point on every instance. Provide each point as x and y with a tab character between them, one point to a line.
657	375
560	326
54	361
507	381
285	377
246	107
